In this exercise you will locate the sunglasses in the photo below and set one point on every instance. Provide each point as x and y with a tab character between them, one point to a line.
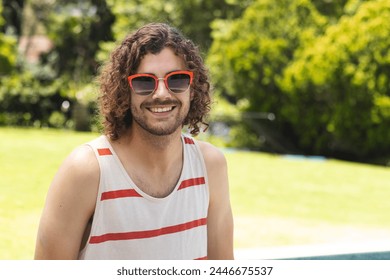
146	84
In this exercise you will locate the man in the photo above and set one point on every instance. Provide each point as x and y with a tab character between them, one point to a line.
143	190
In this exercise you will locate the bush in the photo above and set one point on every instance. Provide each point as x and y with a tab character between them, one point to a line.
27	101
340	87
326	81
248	57
7	50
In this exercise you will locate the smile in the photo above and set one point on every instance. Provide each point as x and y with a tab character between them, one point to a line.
161	109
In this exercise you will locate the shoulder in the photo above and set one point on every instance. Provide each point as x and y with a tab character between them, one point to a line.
75	186
82	161
79	172
211	154
216	164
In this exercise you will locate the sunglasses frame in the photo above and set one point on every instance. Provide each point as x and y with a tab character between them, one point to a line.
165	79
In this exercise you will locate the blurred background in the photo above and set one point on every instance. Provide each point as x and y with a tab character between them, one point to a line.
301	93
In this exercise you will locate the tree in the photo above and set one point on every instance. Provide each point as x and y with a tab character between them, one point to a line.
76	29
7	50
340	86
35	95
12	13
333	9
193	17
248	56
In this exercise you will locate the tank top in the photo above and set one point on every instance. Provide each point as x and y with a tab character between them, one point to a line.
130	224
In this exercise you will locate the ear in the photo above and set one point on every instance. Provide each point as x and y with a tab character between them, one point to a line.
192	95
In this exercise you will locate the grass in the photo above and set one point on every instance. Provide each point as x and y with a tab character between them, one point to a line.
333	191
299	201
276	200
29	159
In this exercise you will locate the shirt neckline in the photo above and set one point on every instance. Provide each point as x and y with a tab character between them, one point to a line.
135	187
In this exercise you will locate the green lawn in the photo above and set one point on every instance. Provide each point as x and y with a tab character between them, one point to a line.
29	158
276	200
290	201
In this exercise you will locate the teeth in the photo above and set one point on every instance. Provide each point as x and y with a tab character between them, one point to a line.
160	110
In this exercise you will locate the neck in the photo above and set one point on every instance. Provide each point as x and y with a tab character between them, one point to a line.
158	144
152	150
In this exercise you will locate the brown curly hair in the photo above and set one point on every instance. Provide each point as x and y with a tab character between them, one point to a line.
114	100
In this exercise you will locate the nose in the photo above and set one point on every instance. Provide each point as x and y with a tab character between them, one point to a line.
161	90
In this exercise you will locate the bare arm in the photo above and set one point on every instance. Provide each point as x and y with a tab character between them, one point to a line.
220	218
69	205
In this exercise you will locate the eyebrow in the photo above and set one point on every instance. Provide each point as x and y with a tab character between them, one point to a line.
167	73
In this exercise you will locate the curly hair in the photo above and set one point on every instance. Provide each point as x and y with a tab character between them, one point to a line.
114	99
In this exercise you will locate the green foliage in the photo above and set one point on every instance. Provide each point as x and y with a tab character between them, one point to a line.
7	54
327	82
192	17
333	9
34	95
344	78
12	13
7	50
76	28
249	55
28	100
84	110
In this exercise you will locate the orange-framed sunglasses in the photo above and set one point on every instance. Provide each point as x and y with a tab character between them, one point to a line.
176	82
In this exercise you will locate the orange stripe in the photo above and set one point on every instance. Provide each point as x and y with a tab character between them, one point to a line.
133	193
192	182
200	259
147	233
119	194
104	152
188	140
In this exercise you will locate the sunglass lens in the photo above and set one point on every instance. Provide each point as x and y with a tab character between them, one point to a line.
143	85
179	83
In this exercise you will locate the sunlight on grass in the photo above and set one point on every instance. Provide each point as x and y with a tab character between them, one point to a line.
333	191
29	159
282	201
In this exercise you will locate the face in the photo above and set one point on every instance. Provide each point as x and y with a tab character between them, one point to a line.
162	112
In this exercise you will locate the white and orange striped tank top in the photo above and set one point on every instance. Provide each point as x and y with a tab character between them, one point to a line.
130	224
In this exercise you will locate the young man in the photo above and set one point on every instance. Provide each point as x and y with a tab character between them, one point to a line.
143	190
